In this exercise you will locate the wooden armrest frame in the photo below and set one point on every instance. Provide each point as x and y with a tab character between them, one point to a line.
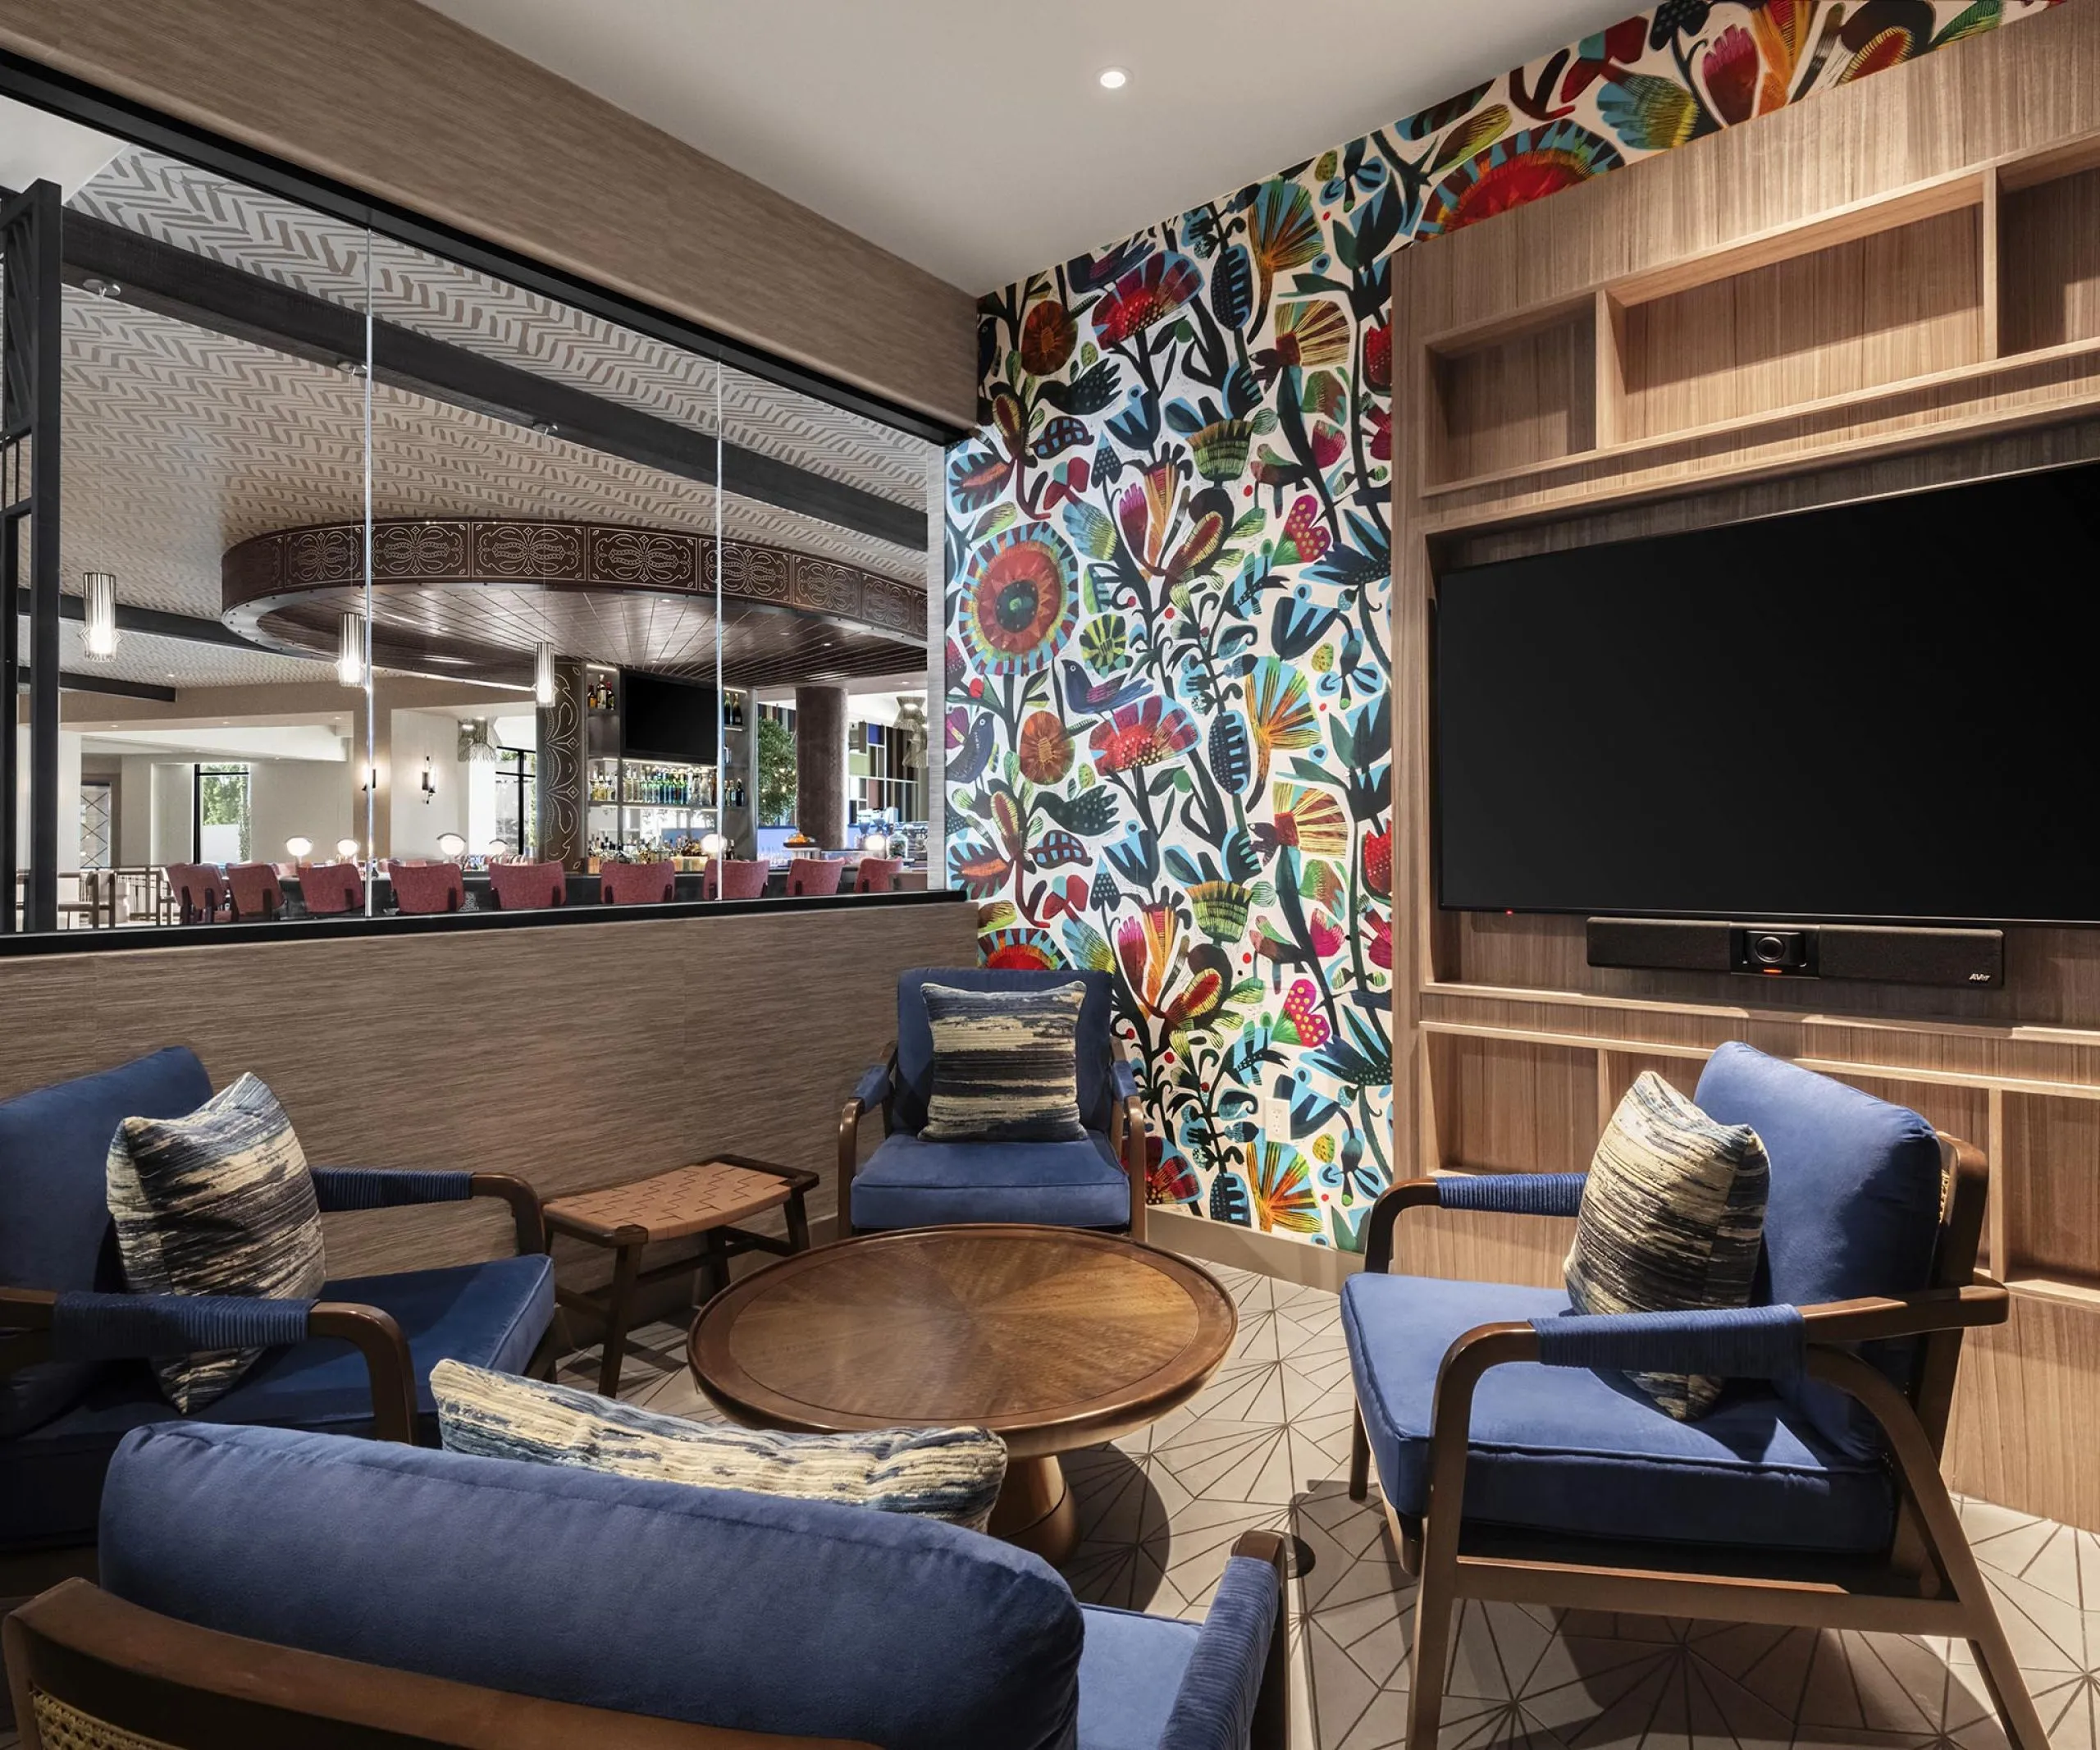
25	1314
1378	1225
158	1678
1126	1135
524	1207
849	1144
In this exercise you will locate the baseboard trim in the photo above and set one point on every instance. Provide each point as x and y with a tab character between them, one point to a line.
1245	1249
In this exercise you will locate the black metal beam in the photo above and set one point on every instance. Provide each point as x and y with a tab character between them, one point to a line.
154	276
30	238
70	682
154	622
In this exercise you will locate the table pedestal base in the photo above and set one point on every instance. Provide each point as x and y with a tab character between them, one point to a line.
1035	1511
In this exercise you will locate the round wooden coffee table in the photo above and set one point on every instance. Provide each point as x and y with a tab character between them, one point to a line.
1052	1337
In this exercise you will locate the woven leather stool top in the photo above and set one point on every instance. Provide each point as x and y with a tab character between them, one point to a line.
671	1206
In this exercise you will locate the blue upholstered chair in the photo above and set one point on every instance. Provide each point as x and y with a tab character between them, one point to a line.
357	1360
1517	1462
908	1183
527	1604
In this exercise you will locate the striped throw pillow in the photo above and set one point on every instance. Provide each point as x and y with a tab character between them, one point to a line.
950	1473
1005	1066
1672	1220
219	1203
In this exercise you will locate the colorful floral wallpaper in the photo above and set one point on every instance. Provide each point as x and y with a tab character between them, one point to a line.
1169	732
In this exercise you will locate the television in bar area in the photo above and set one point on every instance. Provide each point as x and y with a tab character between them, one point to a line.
666	719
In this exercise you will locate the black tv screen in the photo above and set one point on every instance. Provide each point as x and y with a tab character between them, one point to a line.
1888	711
666	719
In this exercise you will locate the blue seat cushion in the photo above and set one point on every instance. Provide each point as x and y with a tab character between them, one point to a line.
1093	1040
749	1612
908	1183
489	1315
54	1205
1129	1674
1566	1449
1853	1208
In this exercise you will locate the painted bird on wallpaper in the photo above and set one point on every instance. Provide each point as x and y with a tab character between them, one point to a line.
1084	697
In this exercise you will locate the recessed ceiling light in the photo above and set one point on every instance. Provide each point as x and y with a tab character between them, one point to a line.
1114	79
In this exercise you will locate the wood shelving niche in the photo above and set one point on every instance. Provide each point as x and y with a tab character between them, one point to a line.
1523	1099
1963	305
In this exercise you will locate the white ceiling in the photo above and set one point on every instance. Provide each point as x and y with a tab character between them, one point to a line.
971	136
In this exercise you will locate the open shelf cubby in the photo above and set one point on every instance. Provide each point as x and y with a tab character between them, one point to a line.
1505	1100
1881	310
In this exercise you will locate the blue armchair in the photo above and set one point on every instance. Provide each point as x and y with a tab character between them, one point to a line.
1517	1463
436	1594
73	1380
908	1183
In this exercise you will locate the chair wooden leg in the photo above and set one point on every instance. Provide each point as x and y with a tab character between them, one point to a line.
619	1307
1433	1605
1359	1458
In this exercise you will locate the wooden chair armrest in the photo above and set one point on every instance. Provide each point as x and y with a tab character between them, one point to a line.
1271	1722
849	1144
524	1207
26	1313
1378	1225
1127	1137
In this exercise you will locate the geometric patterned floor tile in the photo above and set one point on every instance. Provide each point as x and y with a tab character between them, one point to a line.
1266	1445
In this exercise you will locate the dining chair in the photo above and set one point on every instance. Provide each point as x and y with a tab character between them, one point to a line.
638	884
1518	1462
423	889
199	890
878	874
814	877
733	878
527	886
254	893
331	887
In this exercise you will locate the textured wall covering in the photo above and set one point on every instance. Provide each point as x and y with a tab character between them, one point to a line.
1169	736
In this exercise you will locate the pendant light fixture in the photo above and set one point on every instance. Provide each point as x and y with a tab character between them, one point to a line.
543	675
350	650
99	628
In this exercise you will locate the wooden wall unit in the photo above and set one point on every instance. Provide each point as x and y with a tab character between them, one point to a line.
1894	286
577	1055
398	101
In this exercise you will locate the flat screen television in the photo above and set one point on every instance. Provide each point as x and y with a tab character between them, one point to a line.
666	719
1885	711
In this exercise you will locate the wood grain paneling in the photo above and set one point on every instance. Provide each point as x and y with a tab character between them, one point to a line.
1523	400
2049	261
1895	304
576	1056
400	102
1744	274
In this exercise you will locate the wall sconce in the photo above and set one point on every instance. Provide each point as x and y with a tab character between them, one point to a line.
427	783
299	849
99	618
350	650
543	675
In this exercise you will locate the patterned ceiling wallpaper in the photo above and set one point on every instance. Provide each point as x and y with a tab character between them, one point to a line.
1169	732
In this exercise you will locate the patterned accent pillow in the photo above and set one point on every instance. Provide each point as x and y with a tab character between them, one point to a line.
1006	1065
950	1473
219	1203
1672	1218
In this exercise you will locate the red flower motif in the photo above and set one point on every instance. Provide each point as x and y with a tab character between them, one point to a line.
1048	337
1142	734
1378	356
1378	862
1046	750
1381	942
1155	287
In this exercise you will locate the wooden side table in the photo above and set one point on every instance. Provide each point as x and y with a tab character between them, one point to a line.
704	1201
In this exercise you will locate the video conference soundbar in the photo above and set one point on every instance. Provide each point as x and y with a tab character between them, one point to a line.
1971	959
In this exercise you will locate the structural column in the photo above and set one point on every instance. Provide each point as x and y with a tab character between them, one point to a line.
820	765
563	814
